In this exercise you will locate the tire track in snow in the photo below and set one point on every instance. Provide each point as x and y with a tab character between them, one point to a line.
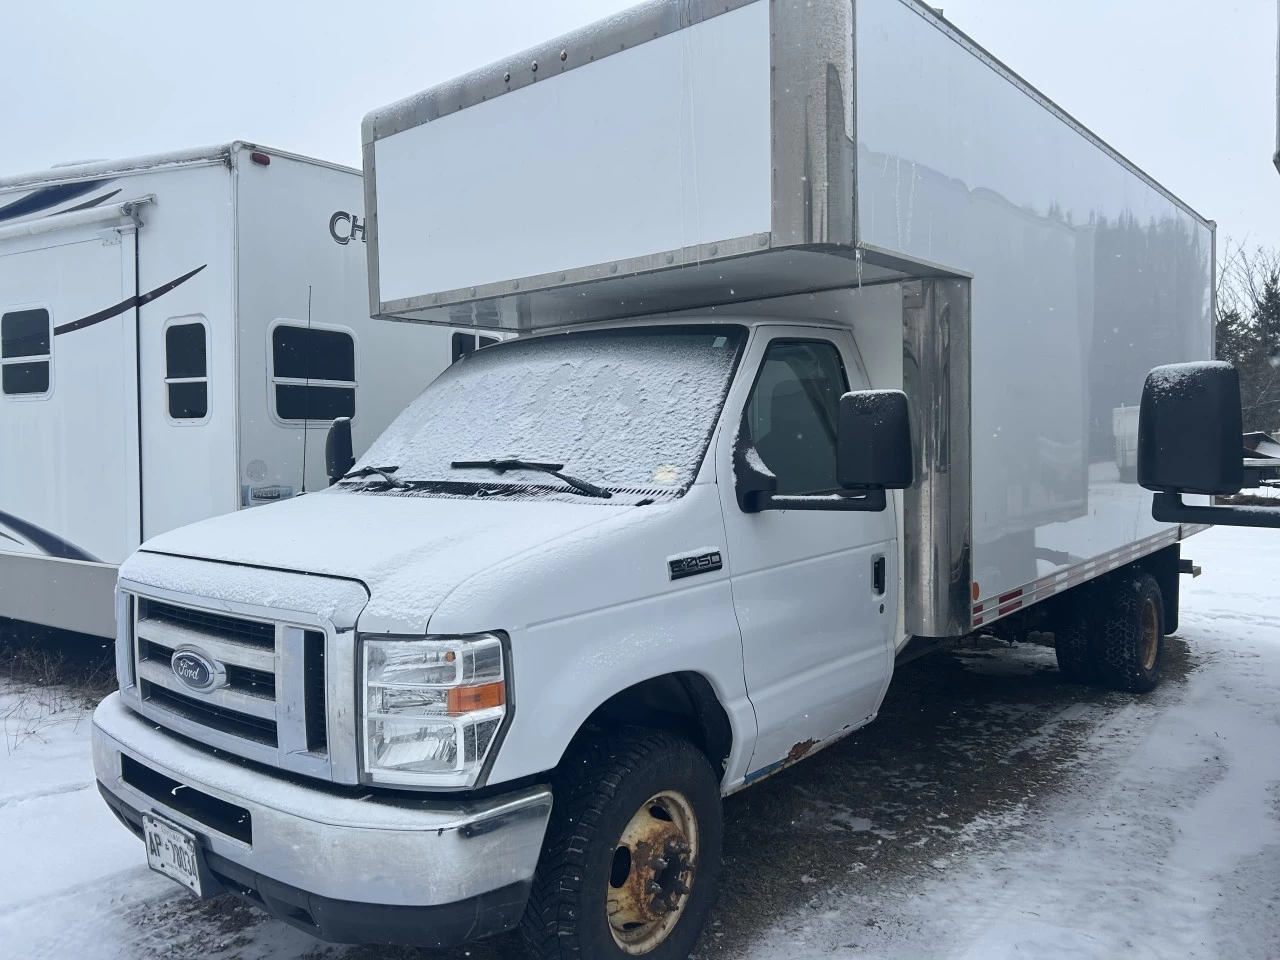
43	794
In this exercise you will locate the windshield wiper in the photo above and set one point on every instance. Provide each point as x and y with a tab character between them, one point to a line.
503	465
384	472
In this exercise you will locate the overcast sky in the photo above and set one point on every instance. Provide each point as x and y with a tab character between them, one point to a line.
1184	88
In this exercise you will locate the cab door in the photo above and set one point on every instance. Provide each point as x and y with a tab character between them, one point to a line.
814	602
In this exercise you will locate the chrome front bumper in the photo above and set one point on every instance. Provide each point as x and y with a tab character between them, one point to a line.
334	843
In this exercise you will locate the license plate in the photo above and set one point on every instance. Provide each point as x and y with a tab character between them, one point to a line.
172	851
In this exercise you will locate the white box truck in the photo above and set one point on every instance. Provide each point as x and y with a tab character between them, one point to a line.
175	331
823	313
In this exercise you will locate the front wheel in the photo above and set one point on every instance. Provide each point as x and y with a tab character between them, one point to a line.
631	858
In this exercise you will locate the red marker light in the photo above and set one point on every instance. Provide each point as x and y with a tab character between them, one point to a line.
260	158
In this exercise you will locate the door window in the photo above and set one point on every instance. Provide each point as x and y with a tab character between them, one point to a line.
313	373
26	338
793	412
186	370
465	344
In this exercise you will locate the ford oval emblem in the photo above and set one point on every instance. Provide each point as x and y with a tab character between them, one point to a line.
197	670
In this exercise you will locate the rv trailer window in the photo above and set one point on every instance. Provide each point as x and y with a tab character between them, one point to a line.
186	374
25	350
313	373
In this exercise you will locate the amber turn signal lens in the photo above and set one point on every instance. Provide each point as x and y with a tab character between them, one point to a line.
470	699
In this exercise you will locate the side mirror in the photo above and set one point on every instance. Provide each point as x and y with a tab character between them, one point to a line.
337	450
873	442
1190	428
1190	441
873	454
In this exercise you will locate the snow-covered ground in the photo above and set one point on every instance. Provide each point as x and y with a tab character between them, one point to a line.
992	812
1163	842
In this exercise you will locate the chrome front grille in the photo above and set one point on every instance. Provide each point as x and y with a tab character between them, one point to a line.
270	699
256	633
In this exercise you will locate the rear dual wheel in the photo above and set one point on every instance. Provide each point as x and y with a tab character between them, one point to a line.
1130	638
631	859
1115	635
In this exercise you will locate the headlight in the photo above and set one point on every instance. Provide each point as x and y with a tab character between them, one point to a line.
432	707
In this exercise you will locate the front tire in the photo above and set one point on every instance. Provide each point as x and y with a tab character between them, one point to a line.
631	859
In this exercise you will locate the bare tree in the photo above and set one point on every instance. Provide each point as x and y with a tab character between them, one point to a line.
1248	328
1242	274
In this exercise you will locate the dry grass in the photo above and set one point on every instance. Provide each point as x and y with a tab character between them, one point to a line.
42	658
53	678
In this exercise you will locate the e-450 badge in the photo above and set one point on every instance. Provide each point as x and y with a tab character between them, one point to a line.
682	567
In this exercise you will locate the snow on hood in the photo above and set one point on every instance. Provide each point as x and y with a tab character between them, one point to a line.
410	552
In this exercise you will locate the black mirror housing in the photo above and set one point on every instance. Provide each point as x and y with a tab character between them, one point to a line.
338	455
1189	429
873	442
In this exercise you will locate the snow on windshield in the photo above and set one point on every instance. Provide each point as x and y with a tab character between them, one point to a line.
620	408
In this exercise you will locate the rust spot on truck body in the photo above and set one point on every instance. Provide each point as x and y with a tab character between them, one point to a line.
800	749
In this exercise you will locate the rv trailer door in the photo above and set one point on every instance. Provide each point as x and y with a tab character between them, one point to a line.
68	406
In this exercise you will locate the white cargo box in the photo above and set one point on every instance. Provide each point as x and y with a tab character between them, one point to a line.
685	155
682	154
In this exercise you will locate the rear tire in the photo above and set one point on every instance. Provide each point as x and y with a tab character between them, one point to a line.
1128	639
631	859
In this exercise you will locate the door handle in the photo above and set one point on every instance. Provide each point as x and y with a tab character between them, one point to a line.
877	575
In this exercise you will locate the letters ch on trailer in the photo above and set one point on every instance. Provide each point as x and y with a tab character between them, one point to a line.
345	227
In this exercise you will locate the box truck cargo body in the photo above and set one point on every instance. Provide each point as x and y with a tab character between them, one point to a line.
178	330
823	318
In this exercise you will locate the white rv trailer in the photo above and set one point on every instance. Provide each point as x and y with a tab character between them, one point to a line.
824	314
171	326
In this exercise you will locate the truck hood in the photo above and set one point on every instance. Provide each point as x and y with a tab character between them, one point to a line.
410	552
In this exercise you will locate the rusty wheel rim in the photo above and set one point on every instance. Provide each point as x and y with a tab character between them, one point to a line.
1150	634
653	869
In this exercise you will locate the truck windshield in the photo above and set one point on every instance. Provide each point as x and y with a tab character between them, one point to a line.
630	410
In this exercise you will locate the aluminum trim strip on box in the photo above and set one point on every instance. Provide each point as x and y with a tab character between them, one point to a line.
813	103
370	183
622	31
992	608
634	266
937	506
